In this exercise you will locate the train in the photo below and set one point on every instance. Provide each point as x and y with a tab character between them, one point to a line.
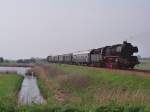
119	56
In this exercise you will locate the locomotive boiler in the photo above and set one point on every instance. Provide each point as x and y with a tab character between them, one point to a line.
116	56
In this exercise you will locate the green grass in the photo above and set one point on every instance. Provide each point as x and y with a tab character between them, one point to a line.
108	108
9	88
83	95
90	88
110	77
9	84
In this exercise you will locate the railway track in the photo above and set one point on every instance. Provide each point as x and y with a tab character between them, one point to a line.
130	70
139	70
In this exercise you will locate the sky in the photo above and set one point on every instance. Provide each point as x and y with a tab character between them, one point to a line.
38	28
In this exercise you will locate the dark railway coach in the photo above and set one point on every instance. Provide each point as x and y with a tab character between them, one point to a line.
116	56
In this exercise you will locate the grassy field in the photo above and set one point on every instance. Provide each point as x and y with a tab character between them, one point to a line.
69	88
91	89
144	65
9	84
9	87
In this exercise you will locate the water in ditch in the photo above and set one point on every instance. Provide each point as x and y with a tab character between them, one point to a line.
29	93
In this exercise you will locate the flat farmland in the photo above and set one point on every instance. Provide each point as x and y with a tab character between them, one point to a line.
89	89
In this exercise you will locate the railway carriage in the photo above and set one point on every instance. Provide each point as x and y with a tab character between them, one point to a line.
50	59
61	59
56	59
82	58
68	58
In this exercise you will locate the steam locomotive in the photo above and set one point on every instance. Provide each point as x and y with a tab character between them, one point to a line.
120	56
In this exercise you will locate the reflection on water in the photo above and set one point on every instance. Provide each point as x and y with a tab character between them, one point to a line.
30	93
19	70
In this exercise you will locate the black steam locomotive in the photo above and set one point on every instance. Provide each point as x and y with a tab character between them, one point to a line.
116	56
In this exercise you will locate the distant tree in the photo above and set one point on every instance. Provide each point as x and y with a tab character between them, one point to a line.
20	61
7	61
1	59
32	60
27	61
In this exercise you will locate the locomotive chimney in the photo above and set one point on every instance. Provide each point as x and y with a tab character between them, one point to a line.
125	42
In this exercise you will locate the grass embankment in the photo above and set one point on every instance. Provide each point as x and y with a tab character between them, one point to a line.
144	65
87	88
9	87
